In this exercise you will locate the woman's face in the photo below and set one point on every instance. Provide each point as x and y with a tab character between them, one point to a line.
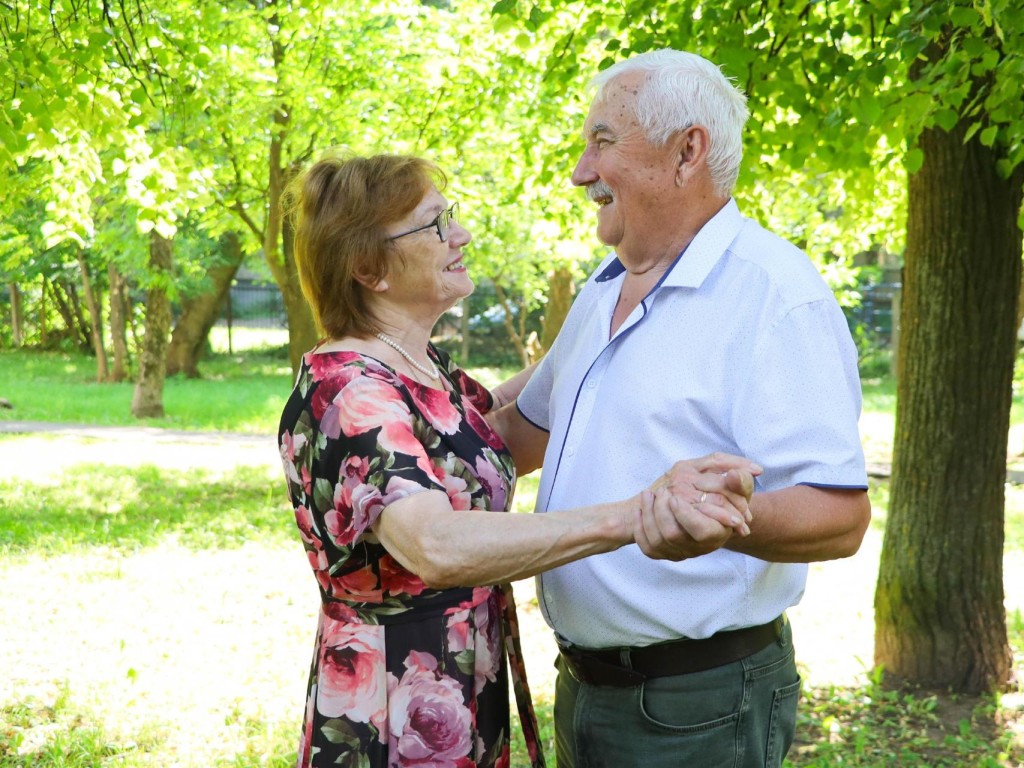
433	276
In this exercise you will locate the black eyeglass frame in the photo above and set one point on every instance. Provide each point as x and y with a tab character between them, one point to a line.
444	219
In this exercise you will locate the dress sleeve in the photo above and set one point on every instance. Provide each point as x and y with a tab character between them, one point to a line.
370	453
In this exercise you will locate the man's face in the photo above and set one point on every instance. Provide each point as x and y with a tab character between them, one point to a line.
631	180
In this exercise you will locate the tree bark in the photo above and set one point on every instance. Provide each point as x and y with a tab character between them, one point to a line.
44	327
17	320
939	614
560	297
148	398
199	312
513	334
94	305
302	330
118	324
70	310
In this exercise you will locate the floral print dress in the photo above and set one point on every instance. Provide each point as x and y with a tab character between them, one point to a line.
402	675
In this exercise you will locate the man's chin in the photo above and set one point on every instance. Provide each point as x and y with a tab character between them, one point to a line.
609	236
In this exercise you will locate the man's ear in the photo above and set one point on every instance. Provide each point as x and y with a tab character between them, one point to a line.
692	147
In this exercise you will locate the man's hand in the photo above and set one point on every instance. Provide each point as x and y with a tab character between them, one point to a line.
696	507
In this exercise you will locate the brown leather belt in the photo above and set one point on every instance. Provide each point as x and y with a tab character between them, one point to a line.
627	667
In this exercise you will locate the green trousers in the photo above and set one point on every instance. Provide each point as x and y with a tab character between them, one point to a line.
739	715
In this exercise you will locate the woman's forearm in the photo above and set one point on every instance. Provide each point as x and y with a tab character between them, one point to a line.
446	548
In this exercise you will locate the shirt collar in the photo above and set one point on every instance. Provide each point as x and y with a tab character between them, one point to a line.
703	252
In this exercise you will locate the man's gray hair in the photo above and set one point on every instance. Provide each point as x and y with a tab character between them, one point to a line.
684	89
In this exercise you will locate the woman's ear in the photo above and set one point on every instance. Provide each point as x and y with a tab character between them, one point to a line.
371	283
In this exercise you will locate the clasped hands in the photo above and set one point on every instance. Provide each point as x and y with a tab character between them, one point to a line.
696	507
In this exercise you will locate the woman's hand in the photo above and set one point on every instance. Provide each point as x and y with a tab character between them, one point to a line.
696	507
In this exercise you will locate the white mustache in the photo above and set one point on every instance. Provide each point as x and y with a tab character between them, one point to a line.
598	190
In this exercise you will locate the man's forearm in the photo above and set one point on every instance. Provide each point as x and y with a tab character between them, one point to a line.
804	524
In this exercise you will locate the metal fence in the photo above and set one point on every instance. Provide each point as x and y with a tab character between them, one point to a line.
876	312
254	305
259	305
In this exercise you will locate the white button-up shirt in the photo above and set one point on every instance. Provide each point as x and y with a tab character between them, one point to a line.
741	348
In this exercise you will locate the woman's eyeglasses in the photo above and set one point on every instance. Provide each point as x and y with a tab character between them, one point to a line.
443	223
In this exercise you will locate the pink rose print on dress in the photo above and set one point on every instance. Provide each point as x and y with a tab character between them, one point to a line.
350	682
290	445
480	425
492	481
395	580
429	721
304	520
487	620
436	406
325	368
337	611
354	470
360	586
355	509
365	404
455	487
475	392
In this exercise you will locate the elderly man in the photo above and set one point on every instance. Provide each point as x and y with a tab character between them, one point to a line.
701	333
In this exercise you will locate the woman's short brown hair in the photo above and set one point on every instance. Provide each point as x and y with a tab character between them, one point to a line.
340	207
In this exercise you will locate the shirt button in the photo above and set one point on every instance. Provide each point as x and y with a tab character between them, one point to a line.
570	451
591	384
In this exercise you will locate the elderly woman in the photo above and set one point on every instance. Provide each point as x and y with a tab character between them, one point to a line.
395	476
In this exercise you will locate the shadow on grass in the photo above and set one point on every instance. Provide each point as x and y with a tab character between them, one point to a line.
57	735
132	508
875	725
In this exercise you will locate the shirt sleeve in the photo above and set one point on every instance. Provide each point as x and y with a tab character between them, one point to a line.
535	397
798	412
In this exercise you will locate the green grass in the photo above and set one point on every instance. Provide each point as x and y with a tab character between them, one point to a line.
244	392
238	393
36	735
874	725
123	509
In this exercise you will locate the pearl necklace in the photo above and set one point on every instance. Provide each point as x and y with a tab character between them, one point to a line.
432	372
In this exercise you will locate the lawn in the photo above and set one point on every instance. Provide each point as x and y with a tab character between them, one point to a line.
158	610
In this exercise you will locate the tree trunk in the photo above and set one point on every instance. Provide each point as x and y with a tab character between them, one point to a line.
93	304
560	296
302	330
198	313
148	398
278	246
1020	306
44	328
118	324
70	309
514	336
17	321
939	614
